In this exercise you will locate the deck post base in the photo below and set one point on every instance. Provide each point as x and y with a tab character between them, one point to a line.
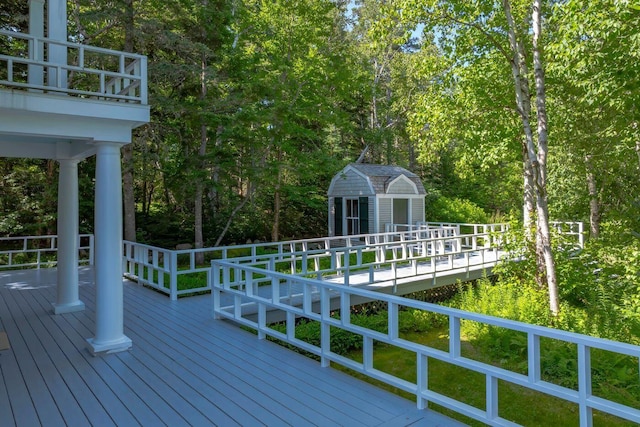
71	307
99	349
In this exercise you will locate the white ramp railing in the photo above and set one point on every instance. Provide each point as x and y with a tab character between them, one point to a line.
383	259
163	268
239	286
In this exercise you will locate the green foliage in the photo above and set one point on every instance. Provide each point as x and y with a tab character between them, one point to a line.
599	288
412	321
343	342
509	300
446	209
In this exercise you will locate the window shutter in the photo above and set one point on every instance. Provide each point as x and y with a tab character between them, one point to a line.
337	216
363	205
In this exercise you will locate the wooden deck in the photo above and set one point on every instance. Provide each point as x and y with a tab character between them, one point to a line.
184	369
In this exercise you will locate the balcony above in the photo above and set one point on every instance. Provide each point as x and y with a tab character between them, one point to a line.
57	98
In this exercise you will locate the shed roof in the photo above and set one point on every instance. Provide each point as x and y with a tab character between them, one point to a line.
383	175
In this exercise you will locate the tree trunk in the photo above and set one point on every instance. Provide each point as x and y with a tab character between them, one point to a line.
197	213
277	201
202	150
523	102
197	206
129	199
214	194
541	184
529	214
234	213
594	204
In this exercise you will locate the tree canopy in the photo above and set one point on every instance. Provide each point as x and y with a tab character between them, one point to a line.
257	104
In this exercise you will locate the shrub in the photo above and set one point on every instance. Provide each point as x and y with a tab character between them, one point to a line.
445	209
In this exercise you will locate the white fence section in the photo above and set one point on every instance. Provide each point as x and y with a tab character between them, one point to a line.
239	284
89	71
39	251
388	256
163	268
570	229
178	272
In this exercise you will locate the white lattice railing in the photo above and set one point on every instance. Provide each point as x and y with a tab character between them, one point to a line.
235	287
87	71
163	268
39	251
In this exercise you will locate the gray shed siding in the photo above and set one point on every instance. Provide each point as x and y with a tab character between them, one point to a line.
401	187
385	212
381	184
417	210
331	216
372	215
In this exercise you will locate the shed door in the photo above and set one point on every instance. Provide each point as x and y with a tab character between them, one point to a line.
400	211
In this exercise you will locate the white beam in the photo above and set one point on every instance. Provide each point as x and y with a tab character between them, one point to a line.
109	335
67	269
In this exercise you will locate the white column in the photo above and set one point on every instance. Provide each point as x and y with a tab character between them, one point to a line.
109	336
36	28
68	299
57	30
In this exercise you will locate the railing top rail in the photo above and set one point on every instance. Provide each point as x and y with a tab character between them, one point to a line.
542	331
27	36
370	247
48	236
288	243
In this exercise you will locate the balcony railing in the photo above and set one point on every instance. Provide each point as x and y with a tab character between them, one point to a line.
51	66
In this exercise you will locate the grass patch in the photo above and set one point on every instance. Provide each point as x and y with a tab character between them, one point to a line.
517	404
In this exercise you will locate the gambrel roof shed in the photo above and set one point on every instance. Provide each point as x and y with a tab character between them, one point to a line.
364	198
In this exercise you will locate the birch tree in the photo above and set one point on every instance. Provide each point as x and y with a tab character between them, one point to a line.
477	29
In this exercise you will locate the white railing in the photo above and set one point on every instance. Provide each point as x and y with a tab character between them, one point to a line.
240	283
161	268
573	229
87	72
39	251
380	259
469	228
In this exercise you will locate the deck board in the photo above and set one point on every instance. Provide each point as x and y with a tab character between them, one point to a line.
244	357
254	381
258	381
185	368
25	347
73	366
